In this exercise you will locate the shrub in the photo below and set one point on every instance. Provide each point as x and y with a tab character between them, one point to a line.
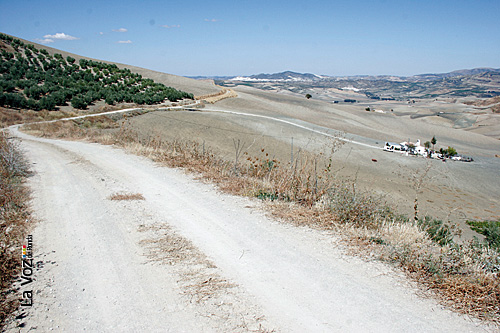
351	206
490	230
437	230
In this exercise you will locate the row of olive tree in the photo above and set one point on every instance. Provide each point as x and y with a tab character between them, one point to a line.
34	79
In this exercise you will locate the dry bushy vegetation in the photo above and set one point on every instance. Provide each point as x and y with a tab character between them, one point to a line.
464	276
14	220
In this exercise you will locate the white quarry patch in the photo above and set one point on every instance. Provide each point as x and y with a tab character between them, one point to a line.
351	88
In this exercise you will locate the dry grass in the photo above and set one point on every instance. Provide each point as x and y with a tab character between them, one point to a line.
166	247
14	221
307	192
10	117
126	196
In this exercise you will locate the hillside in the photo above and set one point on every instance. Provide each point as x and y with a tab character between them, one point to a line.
195	87
33	78
461	72
492	103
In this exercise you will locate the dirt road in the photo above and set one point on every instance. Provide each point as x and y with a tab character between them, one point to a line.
190	259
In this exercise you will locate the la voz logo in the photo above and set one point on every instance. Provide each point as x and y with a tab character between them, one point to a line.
27	271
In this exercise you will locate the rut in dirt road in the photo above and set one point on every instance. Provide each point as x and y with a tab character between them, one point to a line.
188	258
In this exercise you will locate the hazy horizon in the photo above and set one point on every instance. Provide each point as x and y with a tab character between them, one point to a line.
223	38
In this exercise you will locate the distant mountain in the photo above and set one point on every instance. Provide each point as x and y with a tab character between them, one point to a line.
462	72
200	77
479	82
281	77
288	76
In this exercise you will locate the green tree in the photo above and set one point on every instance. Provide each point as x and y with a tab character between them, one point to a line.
308	96
83	63
427	144
15	100
47	103
433	142
78	103
33	104
451	151
110	99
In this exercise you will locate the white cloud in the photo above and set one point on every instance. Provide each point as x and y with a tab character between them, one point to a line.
120	30
44	41
211	20
60	35
101	33
171	26
124	42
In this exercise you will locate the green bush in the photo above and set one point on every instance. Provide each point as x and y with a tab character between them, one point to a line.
437	230
490	230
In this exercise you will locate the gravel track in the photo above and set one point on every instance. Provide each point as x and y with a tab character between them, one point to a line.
97	274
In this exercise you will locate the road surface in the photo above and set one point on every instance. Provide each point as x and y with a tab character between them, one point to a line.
188	258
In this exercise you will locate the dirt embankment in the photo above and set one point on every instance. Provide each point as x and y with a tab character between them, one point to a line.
219	96
484	102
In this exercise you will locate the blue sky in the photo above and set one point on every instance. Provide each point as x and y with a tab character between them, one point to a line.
244	37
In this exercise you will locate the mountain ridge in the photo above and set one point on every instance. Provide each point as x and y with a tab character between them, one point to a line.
296	76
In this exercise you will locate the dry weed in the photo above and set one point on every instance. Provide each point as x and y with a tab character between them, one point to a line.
166	247
127	196
15	220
